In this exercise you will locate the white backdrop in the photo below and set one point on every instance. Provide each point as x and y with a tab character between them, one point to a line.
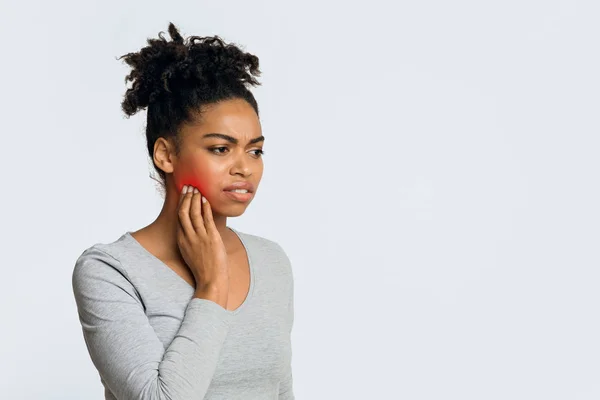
431	170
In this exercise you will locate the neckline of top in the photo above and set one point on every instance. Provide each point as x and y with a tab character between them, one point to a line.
138	245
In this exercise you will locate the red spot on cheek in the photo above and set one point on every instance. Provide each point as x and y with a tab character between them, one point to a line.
189	179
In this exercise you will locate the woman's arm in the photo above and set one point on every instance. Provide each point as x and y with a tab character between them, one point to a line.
286	389
123	346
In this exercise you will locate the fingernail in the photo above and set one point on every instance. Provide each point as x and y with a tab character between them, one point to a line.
185	189
195	190
203	199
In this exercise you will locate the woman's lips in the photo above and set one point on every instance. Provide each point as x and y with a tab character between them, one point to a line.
243	197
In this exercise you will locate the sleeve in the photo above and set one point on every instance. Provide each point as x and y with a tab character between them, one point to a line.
286	390
123	346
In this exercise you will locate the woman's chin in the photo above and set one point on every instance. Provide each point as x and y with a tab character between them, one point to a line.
235	214
231	209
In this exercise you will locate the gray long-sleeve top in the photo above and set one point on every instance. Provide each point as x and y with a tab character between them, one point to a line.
150	338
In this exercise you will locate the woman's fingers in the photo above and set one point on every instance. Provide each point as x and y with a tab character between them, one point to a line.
208	217
196	213
184	211
182	194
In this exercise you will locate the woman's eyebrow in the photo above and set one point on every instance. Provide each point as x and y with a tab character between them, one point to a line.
231	138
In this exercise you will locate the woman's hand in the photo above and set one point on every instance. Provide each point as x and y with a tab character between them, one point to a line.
201	245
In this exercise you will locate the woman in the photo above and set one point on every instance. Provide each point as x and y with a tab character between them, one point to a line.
186	307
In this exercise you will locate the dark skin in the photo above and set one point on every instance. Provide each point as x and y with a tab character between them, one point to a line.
216	163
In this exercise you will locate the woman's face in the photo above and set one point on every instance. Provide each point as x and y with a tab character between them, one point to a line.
211	163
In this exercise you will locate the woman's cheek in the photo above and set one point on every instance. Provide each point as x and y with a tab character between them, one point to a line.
191	177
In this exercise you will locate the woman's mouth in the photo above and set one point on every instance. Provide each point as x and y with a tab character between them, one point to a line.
238	195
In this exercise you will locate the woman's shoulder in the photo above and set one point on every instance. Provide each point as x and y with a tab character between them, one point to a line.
270	250
261	242
100	261
101	280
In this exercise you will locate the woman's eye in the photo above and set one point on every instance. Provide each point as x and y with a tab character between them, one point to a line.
217	148
260	151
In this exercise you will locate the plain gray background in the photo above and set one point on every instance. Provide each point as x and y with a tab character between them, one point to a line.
431	169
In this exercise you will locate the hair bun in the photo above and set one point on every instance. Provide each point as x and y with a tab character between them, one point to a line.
165	68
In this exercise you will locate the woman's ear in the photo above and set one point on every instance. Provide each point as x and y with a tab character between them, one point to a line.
164	155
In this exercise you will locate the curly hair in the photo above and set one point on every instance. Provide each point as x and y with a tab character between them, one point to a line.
174	79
